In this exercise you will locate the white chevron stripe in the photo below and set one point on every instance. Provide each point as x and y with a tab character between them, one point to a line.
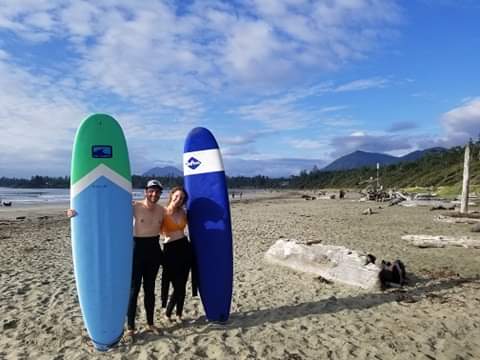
100	170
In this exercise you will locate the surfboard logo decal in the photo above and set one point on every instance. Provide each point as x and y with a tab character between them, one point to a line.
193	163
91	177
102	151
202	162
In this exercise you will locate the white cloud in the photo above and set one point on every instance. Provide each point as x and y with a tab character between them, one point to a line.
250	44
37	126
288	111
363	84
79	19
463	122
30	19
306	144
4	55
360	140
275	115
239	140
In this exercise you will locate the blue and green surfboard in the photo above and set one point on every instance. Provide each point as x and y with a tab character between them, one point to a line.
102	231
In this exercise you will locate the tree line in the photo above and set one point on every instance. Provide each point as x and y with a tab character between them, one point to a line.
433	169
139	182
38	181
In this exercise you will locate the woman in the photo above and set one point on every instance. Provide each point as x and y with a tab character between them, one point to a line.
177	253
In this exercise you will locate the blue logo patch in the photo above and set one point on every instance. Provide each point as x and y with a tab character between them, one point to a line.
102	151
193	163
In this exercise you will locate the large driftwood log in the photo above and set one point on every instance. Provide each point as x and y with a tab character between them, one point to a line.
430	241
402	196
433	203
456	220
333	263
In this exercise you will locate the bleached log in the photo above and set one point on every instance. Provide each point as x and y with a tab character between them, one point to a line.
430	241
326	197
466	180
414	203
333	263
456	220
402	196
458	202
425	196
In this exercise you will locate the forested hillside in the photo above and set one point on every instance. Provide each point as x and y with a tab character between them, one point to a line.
434	169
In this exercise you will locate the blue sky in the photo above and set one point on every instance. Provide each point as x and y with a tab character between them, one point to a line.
284	85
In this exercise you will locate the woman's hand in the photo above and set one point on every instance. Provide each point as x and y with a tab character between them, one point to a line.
71	213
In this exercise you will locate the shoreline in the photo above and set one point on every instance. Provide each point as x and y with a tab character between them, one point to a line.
29	211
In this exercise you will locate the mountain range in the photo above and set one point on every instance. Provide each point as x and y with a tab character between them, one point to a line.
354	160
360	159
163	171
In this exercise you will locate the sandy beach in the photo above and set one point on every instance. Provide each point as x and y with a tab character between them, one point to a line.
277	313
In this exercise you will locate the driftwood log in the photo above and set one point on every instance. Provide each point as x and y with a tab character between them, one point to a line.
333	263
432	203
400	195
430	241
395	201
456	220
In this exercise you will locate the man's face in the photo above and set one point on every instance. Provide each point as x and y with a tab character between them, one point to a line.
152	194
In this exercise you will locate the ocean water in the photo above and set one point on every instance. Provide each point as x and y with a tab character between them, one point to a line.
32	197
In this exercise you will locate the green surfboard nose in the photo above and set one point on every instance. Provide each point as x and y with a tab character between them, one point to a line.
92	148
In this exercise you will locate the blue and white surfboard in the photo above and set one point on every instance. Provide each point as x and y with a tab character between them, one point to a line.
209	222
102	231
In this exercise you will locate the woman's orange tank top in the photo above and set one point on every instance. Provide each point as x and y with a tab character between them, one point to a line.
169	225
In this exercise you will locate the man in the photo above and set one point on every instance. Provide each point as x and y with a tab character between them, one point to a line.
147	254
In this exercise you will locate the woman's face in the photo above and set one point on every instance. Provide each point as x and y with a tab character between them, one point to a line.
178	198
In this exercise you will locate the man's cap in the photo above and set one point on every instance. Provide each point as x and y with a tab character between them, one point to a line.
154	183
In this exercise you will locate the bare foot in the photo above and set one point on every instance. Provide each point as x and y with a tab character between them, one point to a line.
129	336
153	329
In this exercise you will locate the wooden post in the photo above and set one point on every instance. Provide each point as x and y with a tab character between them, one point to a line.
466	180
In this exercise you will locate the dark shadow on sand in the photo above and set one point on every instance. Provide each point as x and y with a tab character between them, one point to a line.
334	305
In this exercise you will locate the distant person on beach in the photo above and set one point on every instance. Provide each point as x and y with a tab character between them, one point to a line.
147	254
178	255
